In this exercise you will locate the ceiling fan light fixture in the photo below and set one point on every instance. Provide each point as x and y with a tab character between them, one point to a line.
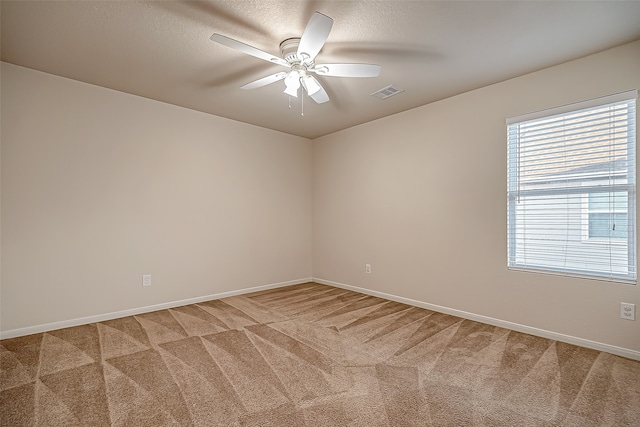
292	83
289	90
311	85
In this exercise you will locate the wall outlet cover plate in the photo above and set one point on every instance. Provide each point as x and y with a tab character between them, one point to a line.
627	311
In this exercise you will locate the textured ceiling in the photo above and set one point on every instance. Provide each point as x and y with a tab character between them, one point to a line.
431	50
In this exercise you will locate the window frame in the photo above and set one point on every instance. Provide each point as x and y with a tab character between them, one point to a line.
514	190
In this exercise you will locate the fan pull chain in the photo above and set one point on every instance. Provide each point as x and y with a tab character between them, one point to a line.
289	102
302	103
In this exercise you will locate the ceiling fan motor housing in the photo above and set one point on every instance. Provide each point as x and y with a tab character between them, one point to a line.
289	50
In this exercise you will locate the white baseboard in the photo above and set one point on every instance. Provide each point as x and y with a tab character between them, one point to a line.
619	351
624	352
124	313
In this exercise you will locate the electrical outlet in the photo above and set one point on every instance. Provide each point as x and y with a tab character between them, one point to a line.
627	311
146	280
367	268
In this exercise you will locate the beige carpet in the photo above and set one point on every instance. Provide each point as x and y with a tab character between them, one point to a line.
309	355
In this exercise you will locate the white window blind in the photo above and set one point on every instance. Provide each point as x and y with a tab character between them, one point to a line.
571	189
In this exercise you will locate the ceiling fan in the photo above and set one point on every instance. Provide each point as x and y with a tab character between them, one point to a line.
299	55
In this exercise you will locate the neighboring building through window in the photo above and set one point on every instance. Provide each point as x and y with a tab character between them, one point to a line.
607	216
571	189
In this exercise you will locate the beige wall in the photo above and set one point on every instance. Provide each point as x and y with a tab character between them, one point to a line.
100	187
421	196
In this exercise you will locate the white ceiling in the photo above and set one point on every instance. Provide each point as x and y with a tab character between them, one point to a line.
430	49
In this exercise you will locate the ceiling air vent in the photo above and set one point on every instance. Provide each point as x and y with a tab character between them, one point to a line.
386	92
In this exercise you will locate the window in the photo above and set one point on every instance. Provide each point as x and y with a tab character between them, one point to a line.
571	189
607	216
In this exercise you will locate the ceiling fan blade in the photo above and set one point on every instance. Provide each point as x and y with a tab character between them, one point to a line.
249	50
347	70
314	36
320	96
265	81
